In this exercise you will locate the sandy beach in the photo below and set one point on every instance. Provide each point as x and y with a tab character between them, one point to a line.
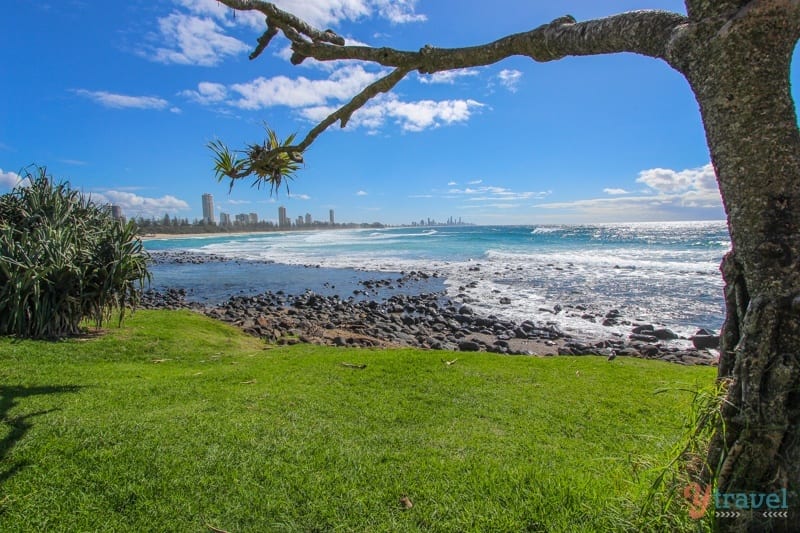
166	236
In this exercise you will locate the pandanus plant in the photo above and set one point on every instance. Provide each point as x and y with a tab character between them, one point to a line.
63	259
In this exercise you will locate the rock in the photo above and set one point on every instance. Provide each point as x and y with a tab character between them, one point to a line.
705	342
665	334
465	310
469	346
649	350
642	337
644	328
614	313
505	301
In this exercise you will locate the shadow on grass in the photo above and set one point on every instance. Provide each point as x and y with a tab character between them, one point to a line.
19	425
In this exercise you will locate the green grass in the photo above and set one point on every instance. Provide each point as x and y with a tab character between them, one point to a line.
228	432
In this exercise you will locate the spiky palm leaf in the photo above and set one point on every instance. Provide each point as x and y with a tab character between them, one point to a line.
63	259
265	162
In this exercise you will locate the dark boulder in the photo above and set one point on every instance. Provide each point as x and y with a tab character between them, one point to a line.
469	346
665	334
705	342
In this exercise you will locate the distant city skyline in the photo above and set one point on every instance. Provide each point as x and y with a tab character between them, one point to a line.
284	220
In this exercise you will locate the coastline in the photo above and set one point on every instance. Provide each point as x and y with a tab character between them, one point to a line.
170	236
290	304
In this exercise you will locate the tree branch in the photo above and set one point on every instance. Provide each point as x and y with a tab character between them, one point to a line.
343	114
642	32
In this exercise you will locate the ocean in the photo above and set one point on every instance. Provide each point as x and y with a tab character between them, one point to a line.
663	273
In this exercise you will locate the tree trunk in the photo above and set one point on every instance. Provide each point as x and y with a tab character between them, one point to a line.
740	75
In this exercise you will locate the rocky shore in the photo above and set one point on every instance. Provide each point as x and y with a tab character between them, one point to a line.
428	320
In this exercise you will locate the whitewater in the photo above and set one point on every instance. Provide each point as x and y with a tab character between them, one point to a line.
569	275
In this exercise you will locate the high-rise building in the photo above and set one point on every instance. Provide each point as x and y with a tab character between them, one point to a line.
224	219
308	219
283	220
330	215
208	209
253	218
116	212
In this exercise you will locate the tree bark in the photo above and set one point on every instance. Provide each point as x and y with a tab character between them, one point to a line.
738	68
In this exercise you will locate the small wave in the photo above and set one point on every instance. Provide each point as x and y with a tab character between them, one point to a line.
542	230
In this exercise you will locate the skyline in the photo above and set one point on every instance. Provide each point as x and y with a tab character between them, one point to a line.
122	103
283	219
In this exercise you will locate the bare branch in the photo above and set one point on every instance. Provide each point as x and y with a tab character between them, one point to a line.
342	114
643	32
265	39
285	21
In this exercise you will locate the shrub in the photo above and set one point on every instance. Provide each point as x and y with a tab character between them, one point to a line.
63	258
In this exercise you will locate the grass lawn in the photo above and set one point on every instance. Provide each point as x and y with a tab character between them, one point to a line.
176	423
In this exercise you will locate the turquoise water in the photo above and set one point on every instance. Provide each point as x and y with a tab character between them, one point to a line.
667	273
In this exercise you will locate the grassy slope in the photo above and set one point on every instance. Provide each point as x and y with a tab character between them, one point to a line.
96	436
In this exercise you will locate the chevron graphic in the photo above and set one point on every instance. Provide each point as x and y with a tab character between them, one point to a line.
727	514
775	514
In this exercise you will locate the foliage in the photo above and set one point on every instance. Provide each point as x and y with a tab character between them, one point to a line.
270	162
63	259
229	434
685	479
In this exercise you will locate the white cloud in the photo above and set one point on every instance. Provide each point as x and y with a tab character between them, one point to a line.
674	195
11	179
134	205
320	13
316	99
300	196
361	193
207	93
475	182
424	114
495	194
448	76
220	12
192	40
399	11
614	191
238	202
451	183
123	101
197	32
340	86
510	78
670	181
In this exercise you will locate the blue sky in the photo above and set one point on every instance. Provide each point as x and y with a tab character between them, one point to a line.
121	99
